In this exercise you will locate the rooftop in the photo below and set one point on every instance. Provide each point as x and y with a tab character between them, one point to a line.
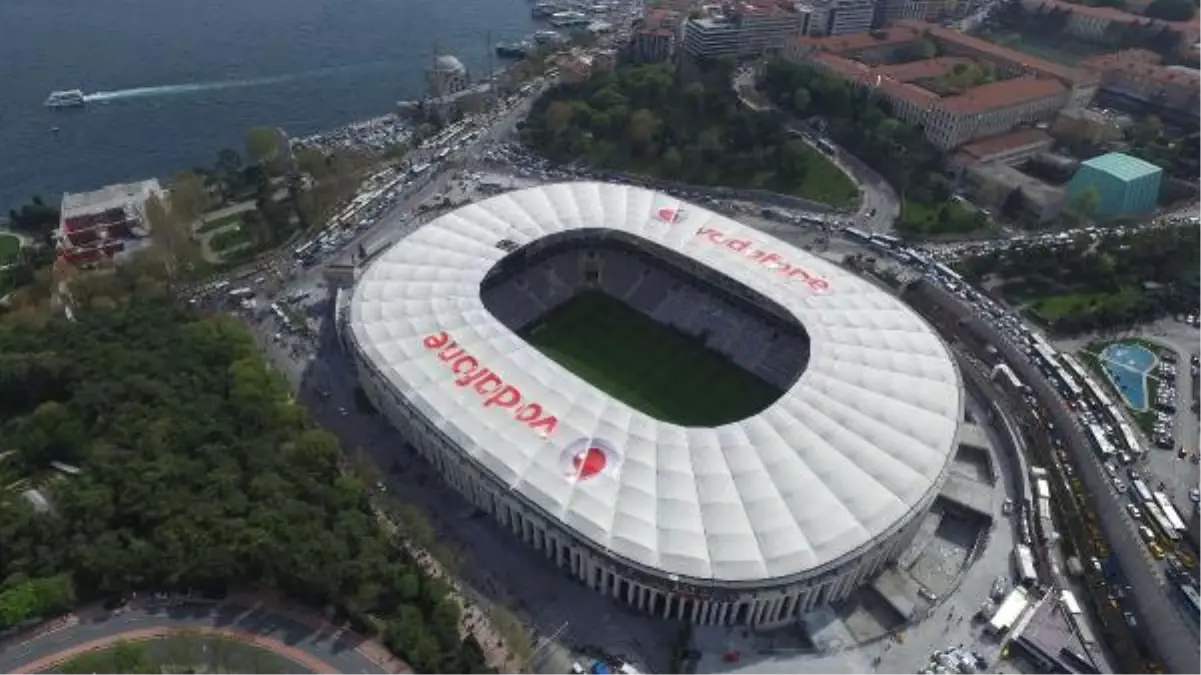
921	70
114	196
1000	95
1122	166
857	443
1114	14
987	147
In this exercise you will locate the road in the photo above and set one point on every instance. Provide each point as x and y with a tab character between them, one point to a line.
879	206
1173	639
282	631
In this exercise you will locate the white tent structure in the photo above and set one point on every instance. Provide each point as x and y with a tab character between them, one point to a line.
748	523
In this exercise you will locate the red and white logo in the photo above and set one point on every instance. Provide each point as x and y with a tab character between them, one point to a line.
670	215
587	458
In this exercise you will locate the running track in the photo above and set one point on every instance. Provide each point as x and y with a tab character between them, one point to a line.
293	633
297	656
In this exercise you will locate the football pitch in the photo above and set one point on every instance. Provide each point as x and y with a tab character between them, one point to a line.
656	369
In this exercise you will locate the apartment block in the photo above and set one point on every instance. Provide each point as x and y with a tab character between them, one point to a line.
742	29
652	44
1139	75
838	17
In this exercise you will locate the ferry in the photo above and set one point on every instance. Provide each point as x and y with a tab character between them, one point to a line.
71	98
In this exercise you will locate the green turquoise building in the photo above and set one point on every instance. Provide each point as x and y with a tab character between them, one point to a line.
1125	185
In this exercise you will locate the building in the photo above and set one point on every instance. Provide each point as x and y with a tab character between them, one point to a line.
98	225
752	523
838	17
446	77
889	11
1086	124
1012	148
1023	90
742	29
652	44
1091	23
1138	75
1122	185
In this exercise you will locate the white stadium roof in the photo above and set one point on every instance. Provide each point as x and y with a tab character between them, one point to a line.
858	443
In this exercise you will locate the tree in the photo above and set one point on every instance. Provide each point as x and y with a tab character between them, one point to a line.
1084	204
1171	10
263	145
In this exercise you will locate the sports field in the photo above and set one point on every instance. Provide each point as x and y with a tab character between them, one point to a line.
656	369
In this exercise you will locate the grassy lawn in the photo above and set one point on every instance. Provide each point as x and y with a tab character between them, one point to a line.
10	246
231	238
218	223
183	653
1052	308
825	182
942	218
662	372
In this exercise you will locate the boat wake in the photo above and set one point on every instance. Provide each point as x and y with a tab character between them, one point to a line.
221	85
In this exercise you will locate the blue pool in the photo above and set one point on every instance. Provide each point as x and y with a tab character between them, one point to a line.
1127	365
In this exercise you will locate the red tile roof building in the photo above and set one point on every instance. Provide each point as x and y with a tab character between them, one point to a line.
1138	74
1034	89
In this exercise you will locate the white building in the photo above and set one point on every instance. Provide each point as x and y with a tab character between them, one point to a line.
743	30
446	77
98	225
753	522
838	17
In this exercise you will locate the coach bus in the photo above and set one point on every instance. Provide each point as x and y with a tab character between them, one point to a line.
887	241
826	146
1023	560
1140	489
1160	521
1169	511
858	234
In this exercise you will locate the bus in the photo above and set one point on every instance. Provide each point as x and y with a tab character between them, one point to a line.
858	234
1140	489
1023	560
1169	511
826	146
1160	521
947	271
241	293
887	240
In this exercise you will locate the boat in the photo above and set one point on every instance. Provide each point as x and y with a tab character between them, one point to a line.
544	9
514	50
547	37
568	19
71	98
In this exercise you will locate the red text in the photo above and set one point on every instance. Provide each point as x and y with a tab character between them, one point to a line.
770	260
468	372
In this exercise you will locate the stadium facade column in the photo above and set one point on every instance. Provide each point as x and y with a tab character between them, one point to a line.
723	614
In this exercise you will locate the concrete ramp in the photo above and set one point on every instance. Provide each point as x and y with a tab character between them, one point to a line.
974	436
968	494
900	591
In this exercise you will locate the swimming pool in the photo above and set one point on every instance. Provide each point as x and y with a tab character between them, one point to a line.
1127	365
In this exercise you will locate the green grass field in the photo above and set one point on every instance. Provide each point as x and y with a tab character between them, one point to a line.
660	371
9	247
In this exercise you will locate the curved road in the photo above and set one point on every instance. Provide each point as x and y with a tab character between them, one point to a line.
296	636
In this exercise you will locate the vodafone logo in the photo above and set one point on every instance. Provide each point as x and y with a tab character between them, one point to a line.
586	458
670	215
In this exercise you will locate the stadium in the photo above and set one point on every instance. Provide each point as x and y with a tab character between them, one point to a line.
684	413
